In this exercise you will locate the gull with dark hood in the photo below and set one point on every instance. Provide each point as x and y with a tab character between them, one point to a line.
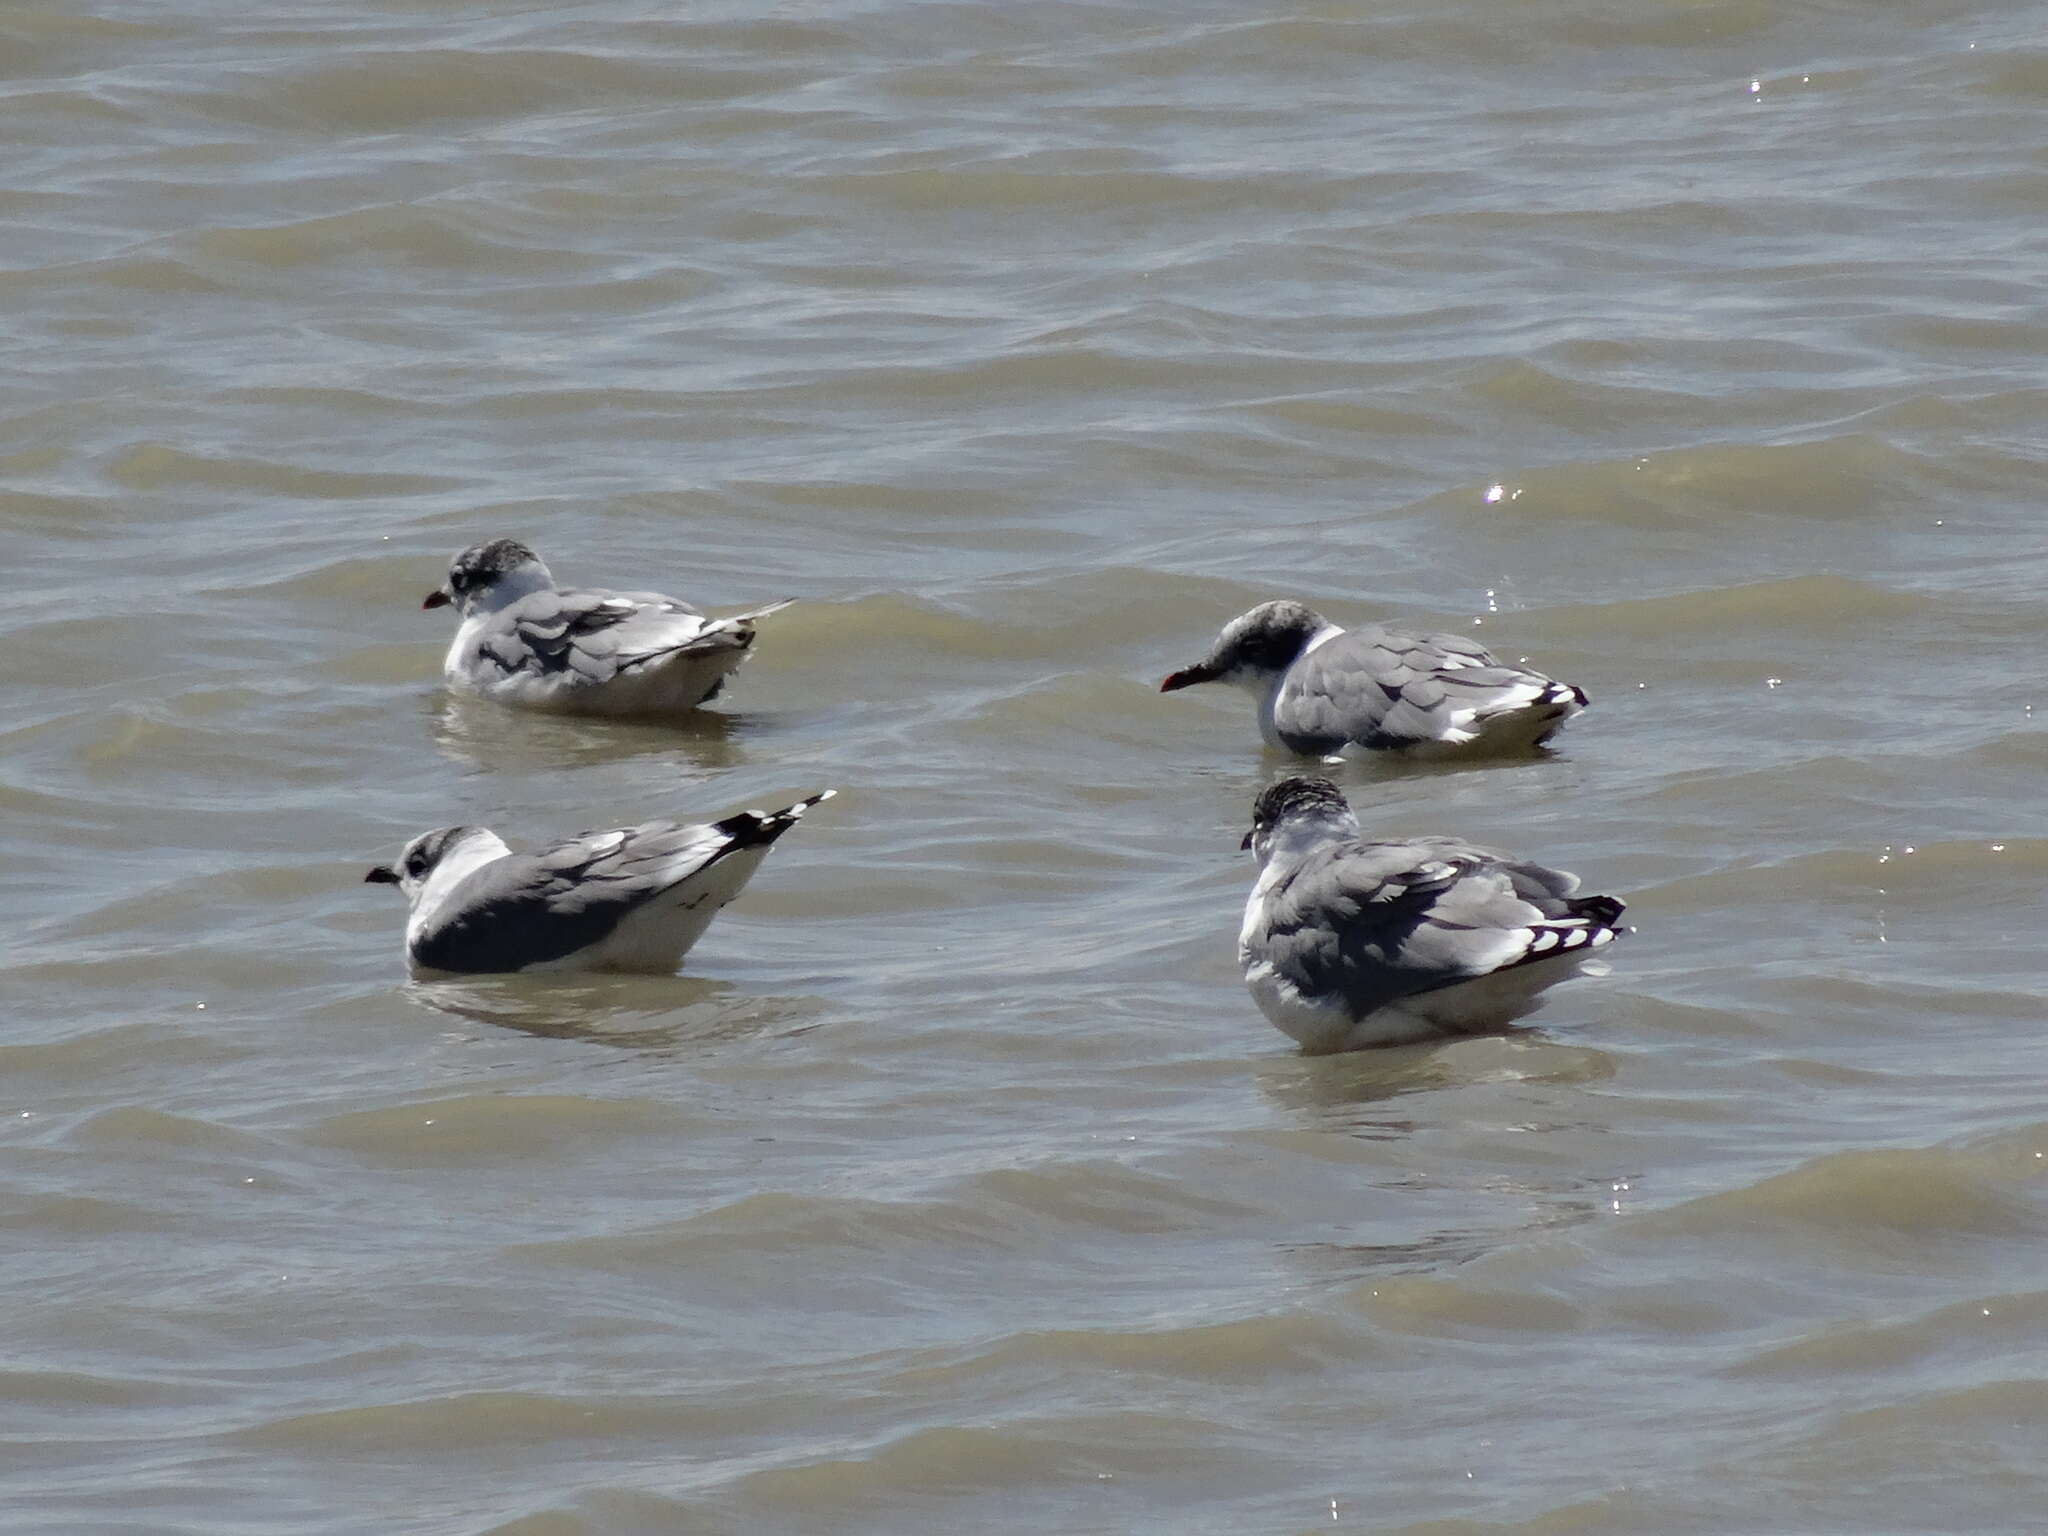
1321	690
1349	943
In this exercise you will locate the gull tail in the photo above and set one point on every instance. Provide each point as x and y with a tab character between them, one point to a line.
732	632
1593	921
735	629
754	829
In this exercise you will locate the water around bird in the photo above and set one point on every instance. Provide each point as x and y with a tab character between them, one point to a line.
1690	352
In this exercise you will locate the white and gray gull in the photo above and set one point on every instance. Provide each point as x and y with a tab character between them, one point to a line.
630	899
527	642
1323	691
1349	943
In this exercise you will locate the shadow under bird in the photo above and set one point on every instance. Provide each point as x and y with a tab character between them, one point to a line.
1349	943
524	641
630	899
1322	691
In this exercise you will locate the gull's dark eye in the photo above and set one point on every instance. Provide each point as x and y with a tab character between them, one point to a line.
416	865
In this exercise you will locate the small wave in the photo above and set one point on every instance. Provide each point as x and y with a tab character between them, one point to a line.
158	466
1910	1207
492	1128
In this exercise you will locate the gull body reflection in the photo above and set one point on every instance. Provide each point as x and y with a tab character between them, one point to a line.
625	1012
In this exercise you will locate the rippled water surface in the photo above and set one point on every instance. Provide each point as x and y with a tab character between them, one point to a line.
1691	350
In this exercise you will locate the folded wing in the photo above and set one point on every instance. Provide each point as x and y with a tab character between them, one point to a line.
1382	687
593	637
531	909
1372	923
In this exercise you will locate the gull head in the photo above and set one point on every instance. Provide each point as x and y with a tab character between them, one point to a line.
1305	806
1255	648
442	848
485	577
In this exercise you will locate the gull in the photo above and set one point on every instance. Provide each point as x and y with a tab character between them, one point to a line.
630	899
527	642
1323	691
1348	943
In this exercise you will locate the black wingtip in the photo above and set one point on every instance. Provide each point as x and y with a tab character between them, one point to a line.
750	829
1605	910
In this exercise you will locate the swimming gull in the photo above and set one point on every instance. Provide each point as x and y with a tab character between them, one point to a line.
1349	943
527	642
1322	690
630	899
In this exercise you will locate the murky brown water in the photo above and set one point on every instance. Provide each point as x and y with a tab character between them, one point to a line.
1692	351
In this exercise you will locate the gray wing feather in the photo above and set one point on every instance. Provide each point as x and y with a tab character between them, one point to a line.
1382	686
1371	923
1339	692
651	600
595	635
626	863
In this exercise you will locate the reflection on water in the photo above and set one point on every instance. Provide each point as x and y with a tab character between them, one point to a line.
630	1012
482	737
1326	1089
1367	770
1331	1087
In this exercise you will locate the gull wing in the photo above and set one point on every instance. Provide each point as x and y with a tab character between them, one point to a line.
1372	923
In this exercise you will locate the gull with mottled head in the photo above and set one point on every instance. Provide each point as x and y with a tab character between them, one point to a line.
630	899
1349	943
1322	691
524	641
